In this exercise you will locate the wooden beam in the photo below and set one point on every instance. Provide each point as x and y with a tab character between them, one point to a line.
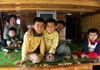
91	13
69	2
61	9
46	6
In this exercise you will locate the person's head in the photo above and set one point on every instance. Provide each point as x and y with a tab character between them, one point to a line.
51	25
38	24
12	20
12	31
93	34
60	25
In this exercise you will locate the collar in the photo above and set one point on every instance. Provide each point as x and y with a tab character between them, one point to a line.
11	26
34	32
96	41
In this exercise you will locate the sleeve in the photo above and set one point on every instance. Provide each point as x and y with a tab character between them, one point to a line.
85	47
21	33
55	43
25	47
98	48
5	34
42	47
8	40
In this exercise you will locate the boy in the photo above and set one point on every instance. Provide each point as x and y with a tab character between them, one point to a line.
12	40
53	51
91	46
34	44
60	25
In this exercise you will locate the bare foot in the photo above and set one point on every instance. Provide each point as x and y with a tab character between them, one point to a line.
67	57
8	51
74	56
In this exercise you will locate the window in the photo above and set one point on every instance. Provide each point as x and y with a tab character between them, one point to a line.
18	21
46	15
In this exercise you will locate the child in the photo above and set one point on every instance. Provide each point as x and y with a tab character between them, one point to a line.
60	25
12	40
91	46
53	51
34	44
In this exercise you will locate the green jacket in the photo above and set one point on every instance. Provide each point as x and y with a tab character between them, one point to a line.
19	34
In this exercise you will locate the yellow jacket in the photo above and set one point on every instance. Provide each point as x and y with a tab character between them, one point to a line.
51	41
30	44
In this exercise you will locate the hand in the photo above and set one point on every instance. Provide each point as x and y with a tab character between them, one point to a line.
19	61
43	59
83	55
19	45
15	44
51	56
74	56
29	32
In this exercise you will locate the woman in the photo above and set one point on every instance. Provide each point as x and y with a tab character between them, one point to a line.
12	23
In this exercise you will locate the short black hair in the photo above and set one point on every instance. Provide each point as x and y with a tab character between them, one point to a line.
13	28
51	20
93	30
39	19
10	16
62	22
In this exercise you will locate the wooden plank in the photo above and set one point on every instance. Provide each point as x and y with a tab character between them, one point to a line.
86	66
78	10
47	6
69	2
91	13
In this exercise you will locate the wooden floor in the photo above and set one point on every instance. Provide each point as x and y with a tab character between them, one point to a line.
87	66
46	66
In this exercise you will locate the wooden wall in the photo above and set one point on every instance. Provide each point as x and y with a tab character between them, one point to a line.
90	22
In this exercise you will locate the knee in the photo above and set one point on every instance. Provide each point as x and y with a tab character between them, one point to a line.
35	58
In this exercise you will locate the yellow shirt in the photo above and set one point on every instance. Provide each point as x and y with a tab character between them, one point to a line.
51	41
31	44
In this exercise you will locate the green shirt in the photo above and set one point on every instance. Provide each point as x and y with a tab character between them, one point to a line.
19	34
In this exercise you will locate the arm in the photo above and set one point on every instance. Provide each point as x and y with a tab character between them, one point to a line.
55	44
85	47
8	41
24	50
25	47
5	34
21	33
98	48
42	47
29	32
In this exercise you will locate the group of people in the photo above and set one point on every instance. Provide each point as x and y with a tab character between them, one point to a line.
41	42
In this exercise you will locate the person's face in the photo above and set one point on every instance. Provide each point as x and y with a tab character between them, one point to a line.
12	33
60	26
93	36
50	27
38	27
12	21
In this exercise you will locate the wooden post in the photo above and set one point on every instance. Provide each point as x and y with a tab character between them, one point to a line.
1	26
